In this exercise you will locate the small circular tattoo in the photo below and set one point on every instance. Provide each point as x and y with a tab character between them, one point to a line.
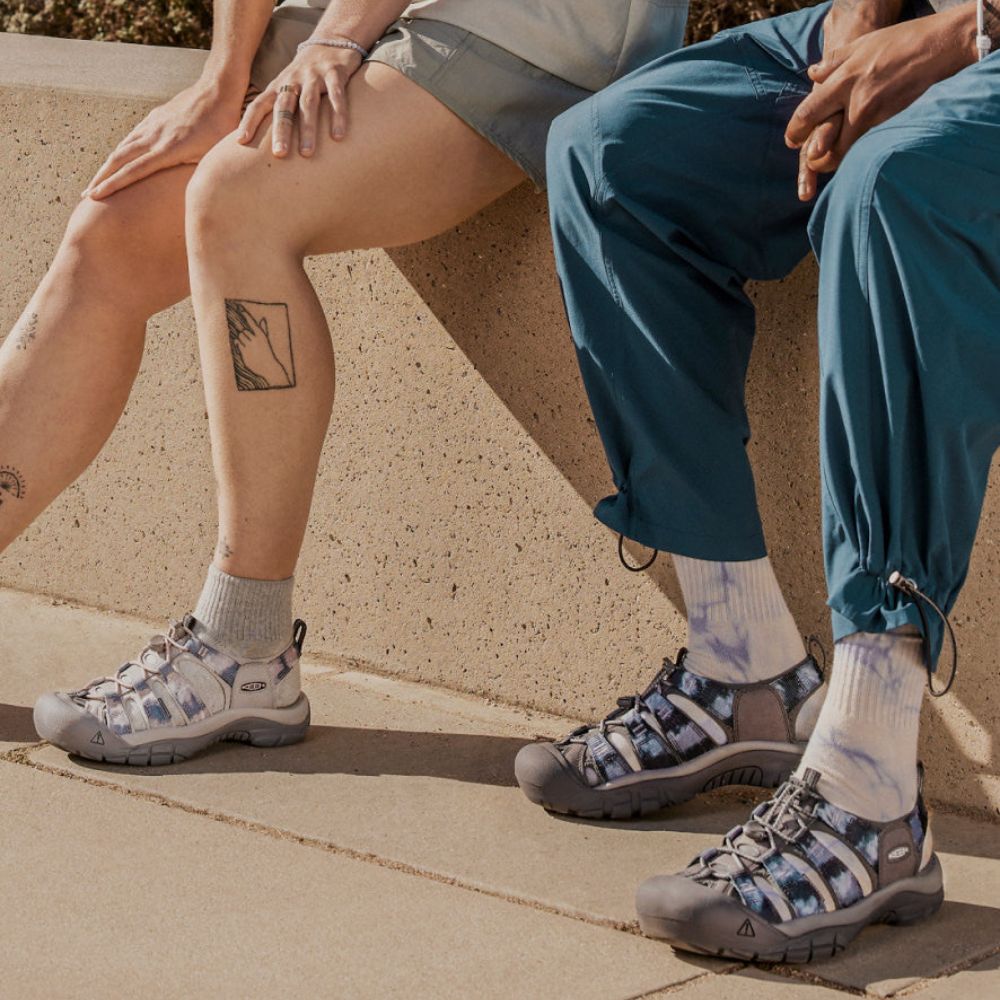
11	484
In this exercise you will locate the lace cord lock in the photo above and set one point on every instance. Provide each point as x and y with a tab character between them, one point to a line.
909	587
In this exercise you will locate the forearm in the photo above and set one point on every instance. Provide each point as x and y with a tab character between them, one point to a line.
957	30
363	21
238	27
873	13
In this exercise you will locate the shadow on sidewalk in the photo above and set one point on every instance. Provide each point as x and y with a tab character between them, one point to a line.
16	725
475	758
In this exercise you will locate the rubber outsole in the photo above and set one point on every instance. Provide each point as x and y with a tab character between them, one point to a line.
87	738
741	935
558	788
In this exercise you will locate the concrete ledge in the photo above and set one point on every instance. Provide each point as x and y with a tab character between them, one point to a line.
451	539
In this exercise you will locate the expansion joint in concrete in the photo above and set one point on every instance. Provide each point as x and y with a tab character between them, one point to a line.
22	756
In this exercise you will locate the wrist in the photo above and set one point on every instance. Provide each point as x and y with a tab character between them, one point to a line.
962	34
224	83
366	38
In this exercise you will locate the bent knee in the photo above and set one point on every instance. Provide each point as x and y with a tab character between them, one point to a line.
128	246
884	175
233	194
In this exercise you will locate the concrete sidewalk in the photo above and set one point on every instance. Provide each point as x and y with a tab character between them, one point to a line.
388	855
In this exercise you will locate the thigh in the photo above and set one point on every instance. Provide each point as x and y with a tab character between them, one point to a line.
408	169
693	143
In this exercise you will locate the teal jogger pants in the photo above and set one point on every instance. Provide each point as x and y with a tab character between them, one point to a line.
673	187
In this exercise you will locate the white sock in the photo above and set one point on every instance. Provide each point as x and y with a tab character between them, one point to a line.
739	627
248	619
865	742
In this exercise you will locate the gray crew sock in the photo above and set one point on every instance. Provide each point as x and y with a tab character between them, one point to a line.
248	619
865	742
739	627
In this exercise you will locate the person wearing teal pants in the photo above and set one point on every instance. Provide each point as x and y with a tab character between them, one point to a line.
669	191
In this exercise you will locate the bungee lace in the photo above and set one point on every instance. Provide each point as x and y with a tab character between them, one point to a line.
778	823
166	645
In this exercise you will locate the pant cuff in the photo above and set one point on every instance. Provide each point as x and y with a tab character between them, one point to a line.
872	605
615	512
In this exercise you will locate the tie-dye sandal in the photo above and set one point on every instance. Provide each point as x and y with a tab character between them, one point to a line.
799	881
683	735
179	696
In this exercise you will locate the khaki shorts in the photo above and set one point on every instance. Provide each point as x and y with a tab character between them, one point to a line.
505	99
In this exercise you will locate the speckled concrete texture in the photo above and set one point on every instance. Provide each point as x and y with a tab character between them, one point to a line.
451	539
399	802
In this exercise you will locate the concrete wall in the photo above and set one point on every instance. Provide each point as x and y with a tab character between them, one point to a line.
451	539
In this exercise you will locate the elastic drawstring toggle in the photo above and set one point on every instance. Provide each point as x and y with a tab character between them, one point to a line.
910	588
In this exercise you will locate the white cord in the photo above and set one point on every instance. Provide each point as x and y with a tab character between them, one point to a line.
983	41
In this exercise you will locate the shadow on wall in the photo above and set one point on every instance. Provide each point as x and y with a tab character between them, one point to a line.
482	281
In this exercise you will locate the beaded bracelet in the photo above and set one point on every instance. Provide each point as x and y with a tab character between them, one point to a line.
335	43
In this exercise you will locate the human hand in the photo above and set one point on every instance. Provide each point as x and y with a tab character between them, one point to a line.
873	78
847	21
181	131
298	90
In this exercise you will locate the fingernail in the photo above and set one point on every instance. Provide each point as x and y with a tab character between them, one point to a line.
338	133
280	147
803	189
307	147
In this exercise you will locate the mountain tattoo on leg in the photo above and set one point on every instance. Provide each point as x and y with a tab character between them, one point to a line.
260	338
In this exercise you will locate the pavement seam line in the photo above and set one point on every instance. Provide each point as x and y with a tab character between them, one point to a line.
951	970
669	988
800	975
21	755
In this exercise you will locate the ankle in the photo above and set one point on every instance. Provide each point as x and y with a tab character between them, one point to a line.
739	627
865	742
246	618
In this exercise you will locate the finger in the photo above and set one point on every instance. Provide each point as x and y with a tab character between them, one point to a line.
285	108
338	103
128	149
308	113
824	138
827	165
824	102
257	110
133	171
820	72
806	179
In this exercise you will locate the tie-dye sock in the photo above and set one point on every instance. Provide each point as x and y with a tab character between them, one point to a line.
248	619
739	627
865	742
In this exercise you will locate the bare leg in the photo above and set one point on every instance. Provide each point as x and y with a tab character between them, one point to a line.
67	367
409	170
